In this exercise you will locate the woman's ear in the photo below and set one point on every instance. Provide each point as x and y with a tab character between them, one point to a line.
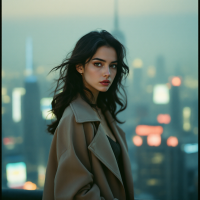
80	68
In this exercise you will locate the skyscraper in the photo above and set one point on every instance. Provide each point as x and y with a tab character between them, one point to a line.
161	171
176	118
32	118
161	76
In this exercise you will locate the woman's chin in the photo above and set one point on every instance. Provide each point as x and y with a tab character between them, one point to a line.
105	89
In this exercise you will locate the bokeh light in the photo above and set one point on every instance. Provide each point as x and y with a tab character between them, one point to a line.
137	140
145	130
172	141
29	186
153	140
176	81
163	118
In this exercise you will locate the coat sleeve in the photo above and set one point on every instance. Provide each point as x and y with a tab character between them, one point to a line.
73	179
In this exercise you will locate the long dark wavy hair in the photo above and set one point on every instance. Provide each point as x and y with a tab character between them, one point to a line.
70	82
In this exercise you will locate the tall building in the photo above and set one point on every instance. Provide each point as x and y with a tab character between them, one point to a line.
175	106
161	76
160	171
32	119
117	32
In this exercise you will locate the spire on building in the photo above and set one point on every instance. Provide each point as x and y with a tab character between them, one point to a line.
116	32
29	61
116	25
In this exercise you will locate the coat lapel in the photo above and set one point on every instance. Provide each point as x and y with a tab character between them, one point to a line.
125	157
100	145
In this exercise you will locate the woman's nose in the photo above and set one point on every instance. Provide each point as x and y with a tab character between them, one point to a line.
107	71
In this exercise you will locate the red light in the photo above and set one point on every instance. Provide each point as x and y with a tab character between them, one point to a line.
176	81
172	141
153	140
164	118
137	140
7	141
144	130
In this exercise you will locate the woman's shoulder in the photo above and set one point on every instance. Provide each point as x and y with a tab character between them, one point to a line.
68	115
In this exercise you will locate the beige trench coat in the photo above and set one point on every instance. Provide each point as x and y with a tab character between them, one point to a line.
81	163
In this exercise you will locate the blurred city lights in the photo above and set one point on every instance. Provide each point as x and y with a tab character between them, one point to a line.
29	186
3	73
6	99
3	91
161	94
16	103
137	140
152	182
16	174
186	118
190	82
45	104
145	130
176	81
191	148
172	141
7	140
153	140
163	118
2	110
157	158
137	63
151	71
41	175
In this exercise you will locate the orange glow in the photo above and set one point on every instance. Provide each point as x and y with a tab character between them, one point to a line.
153	140
172	141
144	130
164	118
137	140
176	81
29	186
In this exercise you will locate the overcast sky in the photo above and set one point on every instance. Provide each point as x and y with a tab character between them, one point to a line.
40	8
151	27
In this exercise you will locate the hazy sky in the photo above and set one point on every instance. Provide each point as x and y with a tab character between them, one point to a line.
46	8
151	27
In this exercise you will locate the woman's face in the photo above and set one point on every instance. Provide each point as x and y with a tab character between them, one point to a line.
102	66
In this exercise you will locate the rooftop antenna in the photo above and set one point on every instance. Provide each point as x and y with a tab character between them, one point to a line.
116	22
29	61
29	56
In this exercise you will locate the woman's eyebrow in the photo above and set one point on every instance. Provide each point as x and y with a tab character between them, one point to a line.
103	60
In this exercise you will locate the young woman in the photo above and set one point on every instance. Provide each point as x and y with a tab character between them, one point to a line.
88	158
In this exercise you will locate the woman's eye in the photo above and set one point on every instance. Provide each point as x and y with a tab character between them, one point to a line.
114	66
97	64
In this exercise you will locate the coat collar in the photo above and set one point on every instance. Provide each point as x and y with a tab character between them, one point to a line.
84	113
100	146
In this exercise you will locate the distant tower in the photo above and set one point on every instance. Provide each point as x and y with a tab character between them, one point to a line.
32	118
116	32
175	106
161	76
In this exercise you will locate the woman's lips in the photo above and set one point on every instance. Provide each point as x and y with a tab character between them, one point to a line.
104	83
